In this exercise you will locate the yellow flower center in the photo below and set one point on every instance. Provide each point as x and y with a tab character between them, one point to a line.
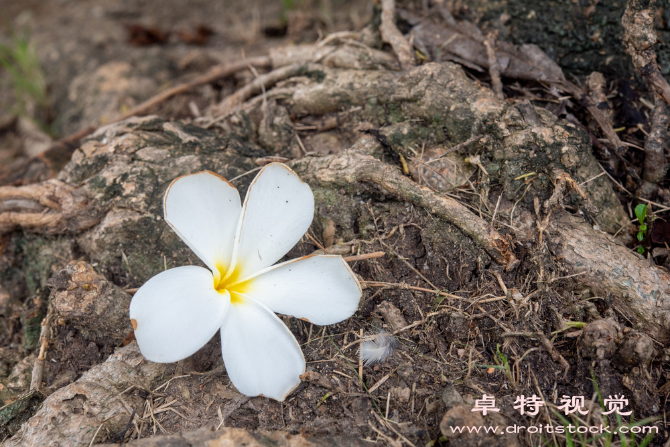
231	283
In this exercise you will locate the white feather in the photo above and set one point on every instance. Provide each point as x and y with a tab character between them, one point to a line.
377	348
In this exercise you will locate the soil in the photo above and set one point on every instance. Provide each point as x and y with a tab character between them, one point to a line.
101	59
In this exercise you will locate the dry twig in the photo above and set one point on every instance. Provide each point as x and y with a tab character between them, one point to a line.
45	336
494	66
257	86
546	344
220	71
601	117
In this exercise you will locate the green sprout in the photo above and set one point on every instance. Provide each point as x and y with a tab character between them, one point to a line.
323	399
502	364
19	59
641	213
286	7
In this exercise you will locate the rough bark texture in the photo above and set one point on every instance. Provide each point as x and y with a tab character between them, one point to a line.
640	38
106	394
613	270
655	166
123	169
89	302
51	206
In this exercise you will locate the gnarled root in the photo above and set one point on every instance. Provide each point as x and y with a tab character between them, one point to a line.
49	207
350	168
638	289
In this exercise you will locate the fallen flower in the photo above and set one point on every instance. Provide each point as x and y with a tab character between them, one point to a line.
177	311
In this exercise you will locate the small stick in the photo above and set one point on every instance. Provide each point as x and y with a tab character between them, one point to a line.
377	254
494	67
381	382
493	219
257	86
45	336
246	173
500	282
220	71
420	289
95	435
360	361
388	403
548	346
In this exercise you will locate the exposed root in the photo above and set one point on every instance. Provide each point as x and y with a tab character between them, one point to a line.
350	168
220	71
640	38
394	37
654	160
637	288
256	86
102	388
48	207
494	66
55	157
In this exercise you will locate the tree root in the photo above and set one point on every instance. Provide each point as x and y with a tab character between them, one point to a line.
351	168
394	37
494	66
50	207
655	166
637	288
256	86
62	418
640	38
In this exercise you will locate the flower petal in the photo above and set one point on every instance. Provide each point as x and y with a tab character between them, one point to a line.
261	355
278	210
204	210
176	312
320	289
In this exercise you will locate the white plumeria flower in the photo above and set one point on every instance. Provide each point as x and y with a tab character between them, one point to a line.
177	311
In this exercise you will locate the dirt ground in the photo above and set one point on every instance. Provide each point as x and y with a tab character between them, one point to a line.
505	297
